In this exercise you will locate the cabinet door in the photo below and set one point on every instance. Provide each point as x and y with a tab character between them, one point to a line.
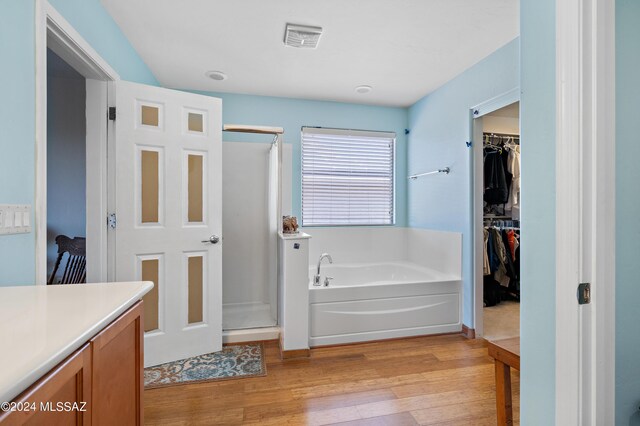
62	397
117	377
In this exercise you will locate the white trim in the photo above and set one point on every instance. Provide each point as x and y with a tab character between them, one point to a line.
96	173
40	196
53	31
568	209
495	103
602	398
585	211
111	182
476	176
477	214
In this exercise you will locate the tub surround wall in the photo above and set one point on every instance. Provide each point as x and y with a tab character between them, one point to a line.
364	244
437	250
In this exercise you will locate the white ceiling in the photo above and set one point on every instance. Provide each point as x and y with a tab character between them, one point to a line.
404	49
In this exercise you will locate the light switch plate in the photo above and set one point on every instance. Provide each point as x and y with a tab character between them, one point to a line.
15	219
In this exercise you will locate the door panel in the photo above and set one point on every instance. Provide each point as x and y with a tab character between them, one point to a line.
168	201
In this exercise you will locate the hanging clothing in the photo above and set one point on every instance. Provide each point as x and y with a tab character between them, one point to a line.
496	190
486	267
513	242
501	275
502	253
511	271
513	166
494	260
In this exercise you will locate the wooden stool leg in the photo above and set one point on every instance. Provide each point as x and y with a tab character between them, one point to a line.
503	394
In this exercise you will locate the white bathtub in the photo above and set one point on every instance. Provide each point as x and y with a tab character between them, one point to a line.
381	300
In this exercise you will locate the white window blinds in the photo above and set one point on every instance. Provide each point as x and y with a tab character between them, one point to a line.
347	177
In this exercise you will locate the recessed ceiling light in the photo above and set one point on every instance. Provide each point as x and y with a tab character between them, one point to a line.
363	89
216	75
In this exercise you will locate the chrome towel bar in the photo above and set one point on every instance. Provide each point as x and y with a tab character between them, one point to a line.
446	170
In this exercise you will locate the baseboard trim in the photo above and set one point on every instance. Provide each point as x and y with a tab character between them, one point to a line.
292	354
298	353
469	333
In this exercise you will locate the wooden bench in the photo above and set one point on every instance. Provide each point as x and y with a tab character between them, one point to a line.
506	353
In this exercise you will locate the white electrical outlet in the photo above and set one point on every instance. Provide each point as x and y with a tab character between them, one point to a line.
15	219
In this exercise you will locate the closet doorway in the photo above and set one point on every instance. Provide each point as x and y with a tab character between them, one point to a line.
497	222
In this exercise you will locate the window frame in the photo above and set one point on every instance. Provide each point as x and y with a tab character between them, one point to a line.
394	138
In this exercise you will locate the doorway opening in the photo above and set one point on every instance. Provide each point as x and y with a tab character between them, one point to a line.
497	222
66	172
72	87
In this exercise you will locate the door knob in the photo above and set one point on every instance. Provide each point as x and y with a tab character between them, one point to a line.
214	239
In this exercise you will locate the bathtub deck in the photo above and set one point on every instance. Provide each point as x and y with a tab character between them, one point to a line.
445	380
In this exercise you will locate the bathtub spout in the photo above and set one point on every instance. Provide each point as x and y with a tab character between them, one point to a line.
316	279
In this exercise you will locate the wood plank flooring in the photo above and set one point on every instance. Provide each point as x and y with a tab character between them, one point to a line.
440	380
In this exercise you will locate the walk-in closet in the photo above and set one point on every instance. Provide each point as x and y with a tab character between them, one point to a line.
501	222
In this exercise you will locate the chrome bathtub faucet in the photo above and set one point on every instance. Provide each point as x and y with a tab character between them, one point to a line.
316	278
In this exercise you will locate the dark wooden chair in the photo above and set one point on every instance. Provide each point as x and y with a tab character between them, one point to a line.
75	271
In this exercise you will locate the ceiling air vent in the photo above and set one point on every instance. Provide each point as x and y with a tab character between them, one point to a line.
302	36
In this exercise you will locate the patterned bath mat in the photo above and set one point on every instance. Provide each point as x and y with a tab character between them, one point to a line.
233	362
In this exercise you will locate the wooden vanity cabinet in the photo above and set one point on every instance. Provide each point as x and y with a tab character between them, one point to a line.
118	371
104	378
69	381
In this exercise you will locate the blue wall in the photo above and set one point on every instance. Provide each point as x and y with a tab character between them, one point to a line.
17	134
627	212
292	114
537	129
17	117
439	125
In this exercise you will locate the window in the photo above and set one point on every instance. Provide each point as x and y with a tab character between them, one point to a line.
347	177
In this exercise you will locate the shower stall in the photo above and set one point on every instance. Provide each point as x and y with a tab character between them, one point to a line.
251	219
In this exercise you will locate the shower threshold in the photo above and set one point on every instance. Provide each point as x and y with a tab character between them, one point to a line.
240	316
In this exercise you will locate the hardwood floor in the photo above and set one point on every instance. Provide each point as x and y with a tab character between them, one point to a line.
443	380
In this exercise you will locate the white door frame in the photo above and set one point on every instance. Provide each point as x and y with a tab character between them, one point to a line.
477	169
585	211
53	31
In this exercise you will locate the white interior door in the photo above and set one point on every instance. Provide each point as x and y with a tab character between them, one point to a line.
169	215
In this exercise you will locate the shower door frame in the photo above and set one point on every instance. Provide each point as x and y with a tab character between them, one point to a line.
266	332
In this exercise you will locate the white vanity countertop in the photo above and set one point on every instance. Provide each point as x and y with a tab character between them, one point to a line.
40	325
